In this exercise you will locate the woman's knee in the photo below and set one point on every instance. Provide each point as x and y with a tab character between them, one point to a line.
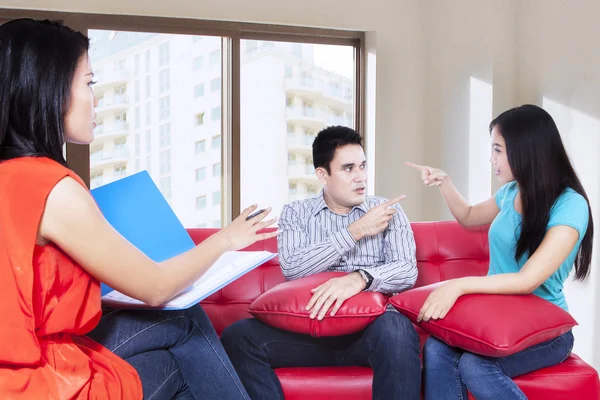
470	366
435	348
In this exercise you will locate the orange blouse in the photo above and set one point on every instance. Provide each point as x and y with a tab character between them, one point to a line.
48	302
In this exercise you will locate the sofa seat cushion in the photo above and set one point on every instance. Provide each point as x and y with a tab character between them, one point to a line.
572	379
326	383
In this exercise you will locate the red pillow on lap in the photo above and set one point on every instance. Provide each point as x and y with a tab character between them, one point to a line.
284	307
489	324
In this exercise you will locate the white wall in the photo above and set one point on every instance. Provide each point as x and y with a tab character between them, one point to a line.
419	103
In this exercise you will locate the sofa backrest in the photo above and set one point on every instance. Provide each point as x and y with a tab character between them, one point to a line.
445	250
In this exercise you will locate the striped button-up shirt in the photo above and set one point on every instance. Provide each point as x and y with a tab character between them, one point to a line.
314	239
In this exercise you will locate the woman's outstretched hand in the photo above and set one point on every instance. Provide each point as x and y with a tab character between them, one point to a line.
429	175
241	233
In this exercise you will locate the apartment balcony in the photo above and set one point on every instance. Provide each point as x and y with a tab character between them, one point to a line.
335	94
107	79
109	132
117	104
333	119
302	173
307	87
341	97
306	116
103	159
300	144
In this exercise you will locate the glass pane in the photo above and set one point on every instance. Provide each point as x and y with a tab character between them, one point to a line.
148	116
289	92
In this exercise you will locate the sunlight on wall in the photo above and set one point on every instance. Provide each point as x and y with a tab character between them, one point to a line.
480	115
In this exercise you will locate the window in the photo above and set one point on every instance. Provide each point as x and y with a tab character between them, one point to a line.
137	144
200	174
164	135
288	71
216	142
120	171
136	64
215	114
200	202
200	146
216	223
199	119
217	170
149	163
216	198
136	90
327	66
165	187
96	179
215	85
148	86
199	90
251	45
297	49
164	108
163	54
163	80
198	63
215	57
120	92
148	114
165	162
137	118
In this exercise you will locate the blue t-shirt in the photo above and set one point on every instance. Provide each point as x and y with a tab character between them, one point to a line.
570	209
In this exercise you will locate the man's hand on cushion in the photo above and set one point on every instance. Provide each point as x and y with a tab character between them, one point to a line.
336	290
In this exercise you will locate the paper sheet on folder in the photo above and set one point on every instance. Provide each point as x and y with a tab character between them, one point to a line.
138	211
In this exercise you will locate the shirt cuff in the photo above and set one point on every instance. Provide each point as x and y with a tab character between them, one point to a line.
343	241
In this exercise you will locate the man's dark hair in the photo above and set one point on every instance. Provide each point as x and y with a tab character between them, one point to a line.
328	141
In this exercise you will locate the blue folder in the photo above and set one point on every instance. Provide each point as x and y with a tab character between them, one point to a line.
138	211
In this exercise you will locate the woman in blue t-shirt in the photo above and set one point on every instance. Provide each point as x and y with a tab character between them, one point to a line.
541	226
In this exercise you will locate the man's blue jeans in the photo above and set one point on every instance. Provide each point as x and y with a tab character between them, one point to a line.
449	371
177	354
390	345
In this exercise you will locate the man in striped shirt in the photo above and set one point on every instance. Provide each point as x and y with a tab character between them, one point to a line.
341	229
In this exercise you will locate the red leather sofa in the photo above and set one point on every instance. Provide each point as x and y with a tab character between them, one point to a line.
445	250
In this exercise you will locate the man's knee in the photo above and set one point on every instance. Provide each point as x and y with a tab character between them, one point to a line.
393	328
241	335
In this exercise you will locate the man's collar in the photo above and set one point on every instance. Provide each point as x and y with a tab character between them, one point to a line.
321	204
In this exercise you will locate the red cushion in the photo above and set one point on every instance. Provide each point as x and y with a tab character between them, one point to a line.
284	307
491	325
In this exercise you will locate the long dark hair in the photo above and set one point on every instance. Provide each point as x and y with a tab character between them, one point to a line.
540	165
38	60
